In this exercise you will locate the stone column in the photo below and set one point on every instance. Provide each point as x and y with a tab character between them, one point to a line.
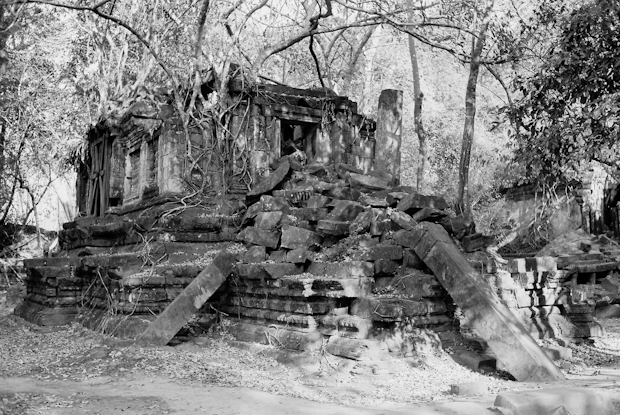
388	134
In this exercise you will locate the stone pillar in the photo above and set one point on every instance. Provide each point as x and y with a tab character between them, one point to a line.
388	134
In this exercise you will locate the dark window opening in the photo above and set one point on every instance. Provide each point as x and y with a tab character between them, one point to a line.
298	136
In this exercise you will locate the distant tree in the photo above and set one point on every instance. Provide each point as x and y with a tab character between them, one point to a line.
569	112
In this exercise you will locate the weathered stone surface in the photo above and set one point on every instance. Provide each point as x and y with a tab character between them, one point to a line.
470	388
522	298
414	202
574	400
45	316
556	352
268	220
379	227
403	220
536	264
251	271
270	182
317	201
503	331
310	214
289	286
406	238
261	237
367	183
290	306
413	285
177	314
609	311
278	256
345	210
350	269
283	269
333	227
563	261
386	267
298	238
298	256
362	222
254	254
412	260
379	202
394	309
281	335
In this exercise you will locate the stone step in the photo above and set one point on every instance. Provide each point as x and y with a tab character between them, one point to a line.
288	305
308	287
395	309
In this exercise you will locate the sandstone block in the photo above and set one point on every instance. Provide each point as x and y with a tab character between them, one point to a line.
299	238
257	236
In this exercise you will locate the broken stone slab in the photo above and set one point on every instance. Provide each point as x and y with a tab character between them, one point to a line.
362	222
403	220
299	238
412	203
317	201
344	193
394	309
574	400
254	254
502	330
535	264
262	237
379	227
309	214
345	210
268	220
371	201
267	184
278	256
333	227
349	269
178	313
412	260
272	204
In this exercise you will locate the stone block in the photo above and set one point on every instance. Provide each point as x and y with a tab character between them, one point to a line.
277	334
271	204
268	220
283	269
267	184
278	256
575	400
380	227
344	193
349	269
333	227
261	237
323	306
412	285
254	254
412	203
362	222
429	215
556	352
386	267
317	201
310	214
299	238
367	183
476	242
345	210
298	256
503	331
402	220
412	260
378	202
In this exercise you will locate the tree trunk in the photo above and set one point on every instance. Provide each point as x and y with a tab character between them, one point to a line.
464	203
417	109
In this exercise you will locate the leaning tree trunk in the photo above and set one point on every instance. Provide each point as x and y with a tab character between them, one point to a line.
417	109
464	202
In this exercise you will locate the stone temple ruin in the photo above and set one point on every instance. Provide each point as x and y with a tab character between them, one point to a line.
336	255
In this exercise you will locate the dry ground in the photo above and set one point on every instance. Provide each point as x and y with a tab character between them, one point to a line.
71	370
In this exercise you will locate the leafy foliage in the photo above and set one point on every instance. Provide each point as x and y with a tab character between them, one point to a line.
570	110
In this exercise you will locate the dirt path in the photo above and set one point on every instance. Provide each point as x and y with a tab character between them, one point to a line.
143	395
